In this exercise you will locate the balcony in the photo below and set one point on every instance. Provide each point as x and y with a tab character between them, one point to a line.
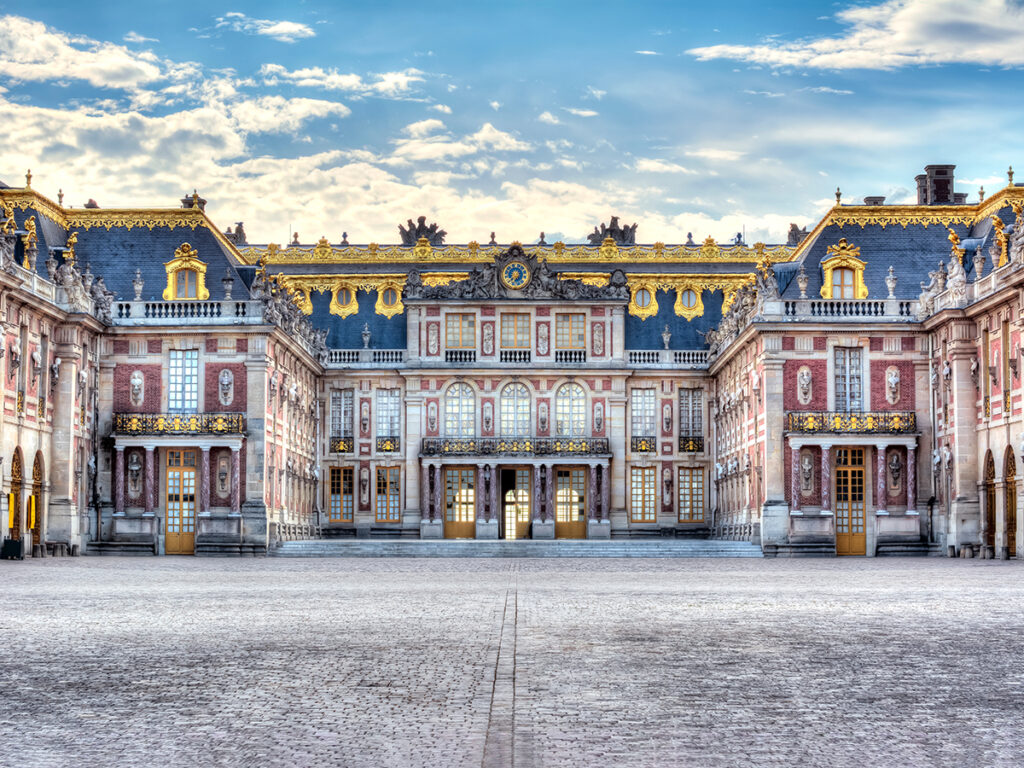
854	309
878	423
691	444
460	355
205	312
342	445
388	443
515	446
179	424
570	355
667	358
515	356
644	444
364	358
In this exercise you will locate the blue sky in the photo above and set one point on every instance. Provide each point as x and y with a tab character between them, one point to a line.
510	117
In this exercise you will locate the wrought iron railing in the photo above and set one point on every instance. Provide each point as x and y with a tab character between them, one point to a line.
691	444
643	444
515	446
342	444
179	423
388	443
881	422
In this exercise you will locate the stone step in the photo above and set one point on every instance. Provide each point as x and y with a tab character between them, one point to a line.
527	548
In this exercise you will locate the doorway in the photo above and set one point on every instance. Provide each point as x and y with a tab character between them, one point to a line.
515	504
850	536
459	504
181	503
571	503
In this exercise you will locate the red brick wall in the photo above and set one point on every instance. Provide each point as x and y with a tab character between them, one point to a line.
788	342
907	395
242	345
819	385
819	342
211	346
120	346
211	375
155	346
152	395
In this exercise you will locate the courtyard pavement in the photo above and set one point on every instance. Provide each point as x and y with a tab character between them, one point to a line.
193	662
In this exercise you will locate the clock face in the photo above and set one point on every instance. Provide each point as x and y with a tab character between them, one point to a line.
515	275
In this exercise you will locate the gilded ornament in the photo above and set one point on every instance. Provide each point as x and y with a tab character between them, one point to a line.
186	257
843	255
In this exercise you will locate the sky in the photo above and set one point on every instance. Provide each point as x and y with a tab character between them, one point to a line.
509	117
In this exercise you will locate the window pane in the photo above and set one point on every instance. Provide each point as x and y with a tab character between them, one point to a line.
459	411
515	331
183	378
389	415
570	411
642	412
569	331
515	411
642	495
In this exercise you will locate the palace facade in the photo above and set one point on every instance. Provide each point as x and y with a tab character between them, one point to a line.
169	388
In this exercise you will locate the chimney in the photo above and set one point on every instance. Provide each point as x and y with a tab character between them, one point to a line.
940	184
959	198
193	201
875	200
922	189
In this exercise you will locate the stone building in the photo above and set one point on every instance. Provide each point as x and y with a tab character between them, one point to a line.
170	388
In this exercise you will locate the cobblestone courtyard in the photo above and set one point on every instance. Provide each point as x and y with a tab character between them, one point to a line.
179	661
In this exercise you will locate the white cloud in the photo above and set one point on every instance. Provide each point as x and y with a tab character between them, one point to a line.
276	114
766	94
282	31
709	153
547	117
495	105
594	93
423	128
135	37
899	33
390	84
444	109
648	53
652	165
31	51
580	112
827	89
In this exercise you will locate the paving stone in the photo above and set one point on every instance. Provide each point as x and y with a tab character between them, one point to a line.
471	662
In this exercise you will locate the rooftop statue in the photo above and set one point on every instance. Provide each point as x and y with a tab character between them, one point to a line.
420	229
621	235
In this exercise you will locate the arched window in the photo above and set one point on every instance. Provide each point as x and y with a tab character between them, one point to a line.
842	283
515	411
570	411
459	411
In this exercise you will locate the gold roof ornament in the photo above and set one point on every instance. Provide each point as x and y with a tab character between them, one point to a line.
1002	238
323	250
7	226
28	179
69	248
955	248
839	196
1009	175
709	249
30	238
843	255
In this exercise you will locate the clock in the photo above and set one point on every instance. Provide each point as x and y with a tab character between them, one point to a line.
515	275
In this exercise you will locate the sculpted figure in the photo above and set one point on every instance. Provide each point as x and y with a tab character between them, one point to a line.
136	386
226	382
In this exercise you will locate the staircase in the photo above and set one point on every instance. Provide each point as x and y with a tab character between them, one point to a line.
523	548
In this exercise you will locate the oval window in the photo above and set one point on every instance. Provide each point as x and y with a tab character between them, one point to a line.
643	298
689	299
390	297
344	297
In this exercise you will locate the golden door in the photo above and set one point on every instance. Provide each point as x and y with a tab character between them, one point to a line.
990	501
1010	478
460	504
850	536
571	503
181	503
515	503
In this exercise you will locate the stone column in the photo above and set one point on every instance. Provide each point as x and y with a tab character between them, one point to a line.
592	493
605	491
236	482
826	479
204	481
439	491
549	499
148	480
118	480
425	471
478	497
794	478
880	484
537	501
911	480
492	502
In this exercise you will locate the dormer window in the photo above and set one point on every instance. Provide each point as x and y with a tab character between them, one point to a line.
842	283
185	284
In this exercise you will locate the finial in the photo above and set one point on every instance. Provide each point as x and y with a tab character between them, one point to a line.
60	197
1009	175
344	238
839	195
981	194
28	179
195	199
493	242
541	241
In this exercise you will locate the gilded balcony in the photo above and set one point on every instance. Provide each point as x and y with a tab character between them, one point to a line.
515	446
179	424
342	444
867	423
